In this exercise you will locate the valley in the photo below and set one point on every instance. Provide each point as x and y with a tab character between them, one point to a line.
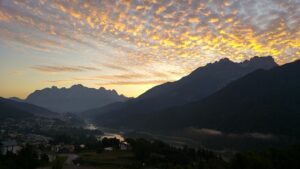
247	114
150	84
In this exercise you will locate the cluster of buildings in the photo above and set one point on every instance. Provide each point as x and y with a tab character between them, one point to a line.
123	145
9	146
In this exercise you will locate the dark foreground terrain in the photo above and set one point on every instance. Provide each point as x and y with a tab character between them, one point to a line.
145	154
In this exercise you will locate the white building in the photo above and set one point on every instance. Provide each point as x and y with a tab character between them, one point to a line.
10	146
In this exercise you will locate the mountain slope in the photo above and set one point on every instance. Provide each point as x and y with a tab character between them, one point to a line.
16	99
198	85
14	109
110	107
208	79
7	111
74	99
263	101
24	108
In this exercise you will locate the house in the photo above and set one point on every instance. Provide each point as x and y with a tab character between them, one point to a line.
63	148
124	146
10	146
108	149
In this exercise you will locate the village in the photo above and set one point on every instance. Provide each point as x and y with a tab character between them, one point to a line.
62	154
52	139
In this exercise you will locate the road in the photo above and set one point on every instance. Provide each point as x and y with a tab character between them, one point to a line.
69	162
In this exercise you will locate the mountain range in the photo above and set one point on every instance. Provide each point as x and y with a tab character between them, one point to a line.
254	96
74	99
265	101
201	83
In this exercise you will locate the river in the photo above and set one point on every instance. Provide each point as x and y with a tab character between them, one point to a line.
107	133
113	133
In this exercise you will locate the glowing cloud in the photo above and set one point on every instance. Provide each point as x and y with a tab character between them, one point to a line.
55	69
138	35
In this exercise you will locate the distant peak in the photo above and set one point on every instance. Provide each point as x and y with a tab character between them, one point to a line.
260	58
221	61
269	58
13	98
255	59
16	99
54	87
267	61
102	88
113	91
224	60
78	86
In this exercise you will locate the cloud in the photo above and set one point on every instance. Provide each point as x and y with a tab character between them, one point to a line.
34	43
57	69
168	30
17	73
89	68
115	67
59	81
4	17
205	131
159	74
122	76
261	136
146	82
187	34
106	82
218	133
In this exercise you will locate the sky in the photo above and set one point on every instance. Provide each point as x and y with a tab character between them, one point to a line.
133	45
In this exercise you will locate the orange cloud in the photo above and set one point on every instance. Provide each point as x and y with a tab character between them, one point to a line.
57	69
154	82
139	35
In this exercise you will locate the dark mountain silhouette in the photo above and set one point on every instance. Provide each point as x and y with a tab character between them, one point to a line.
16	99
265	101
207	79
199	84
14	109
74	99
110	107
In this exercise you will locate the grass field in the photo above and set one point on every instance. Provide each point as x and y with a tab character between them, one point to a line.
107	160
59	162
